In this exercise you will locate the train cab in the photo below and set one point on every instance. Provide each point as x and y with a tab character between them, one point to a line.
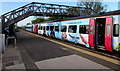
29	28
35	28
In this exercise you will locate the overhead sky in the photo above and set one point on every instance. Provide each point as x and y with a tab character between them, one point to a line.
9	5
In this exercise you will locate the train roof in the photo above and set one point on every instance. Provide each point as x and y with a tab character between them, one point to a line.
48	21
29	25
111	13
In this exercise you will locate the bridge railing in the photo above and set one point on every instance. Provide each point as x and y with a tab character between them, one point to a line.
15	13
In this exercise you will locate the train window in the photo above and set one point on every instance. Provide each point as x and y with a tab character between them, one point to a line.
72	28
29	27
63	28
87	29
41	28
108	29
47	28
44	28
51	28
56	28
83	29
91	29
116	30
26	26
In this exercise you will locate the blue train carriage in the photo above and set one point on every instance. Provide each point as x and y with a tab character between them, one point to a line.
51	31
29	28
49	27
77	31
57	27
116	33
47	30
118	46
60	30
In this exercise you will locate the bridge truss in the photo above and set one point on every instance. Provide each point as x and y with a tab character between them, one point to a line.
41	9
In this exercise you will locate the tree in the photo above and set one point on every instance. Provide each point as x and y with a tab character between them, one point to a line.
38	20
55	18
97	7
28	23
72	11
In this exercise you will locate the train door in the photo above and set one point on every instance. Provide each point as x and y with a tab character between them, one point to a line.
100	33
44	30
108	33
91	32
36	28
103	33
56	31
119	35
52	33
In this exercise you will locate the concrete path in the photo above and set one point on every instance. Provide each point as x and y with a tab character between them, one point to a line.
38	53
17	66
69	62
11	58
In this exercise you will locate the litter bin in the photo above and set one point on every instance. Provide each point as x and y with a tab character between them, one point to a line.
2	43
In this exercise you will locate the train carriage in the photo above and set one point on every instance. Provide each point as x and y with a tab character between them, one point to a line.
29	28
78	31
51	29
57	30
35	28
39	27
103	31
99	31
47	30
42	28
60	30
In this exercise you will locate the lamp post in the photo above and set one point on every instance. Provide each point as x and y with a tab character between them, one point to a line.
0	25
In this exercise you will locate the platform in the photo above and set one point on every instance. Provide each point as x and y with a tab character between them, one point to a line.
39	53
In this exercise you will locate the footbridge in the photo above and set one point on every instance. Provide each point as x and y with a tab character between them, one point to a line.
41	9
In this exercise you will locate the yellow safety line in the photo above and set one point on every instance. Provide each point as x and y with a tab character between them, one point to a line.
80	50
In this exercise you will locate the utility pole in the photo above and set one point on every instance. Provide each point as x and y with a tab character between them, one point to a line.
2	37
0	25
119	21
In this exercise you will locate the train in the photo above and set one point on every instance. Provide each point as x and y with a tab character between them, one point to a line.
97	31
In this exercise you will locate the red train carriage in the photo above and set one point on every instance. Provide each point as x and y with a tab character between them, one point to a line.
35	28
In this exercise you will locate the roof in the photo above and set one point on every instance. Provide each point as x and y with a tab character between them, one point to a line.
111	13
117	12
